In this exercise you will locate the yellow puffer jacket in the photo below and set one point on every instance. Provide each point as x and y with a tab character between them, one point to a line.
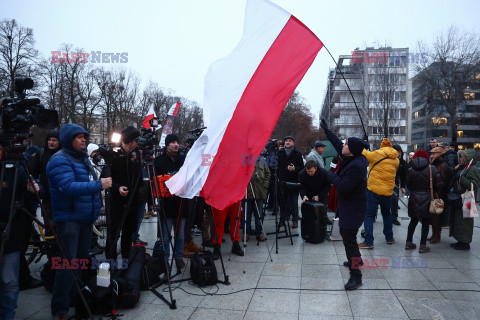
382	178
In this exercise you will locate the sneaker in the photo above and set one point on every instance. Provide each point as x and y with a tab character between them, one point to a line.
423	249
396	222
236	249
391	241
295	225
354	282
363	245
140	242
462	246
151	213
61	316
410	245
216	252
190	246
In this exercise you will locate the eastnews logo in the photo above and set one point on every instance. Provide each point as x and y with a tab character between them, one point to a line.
92	57
83	264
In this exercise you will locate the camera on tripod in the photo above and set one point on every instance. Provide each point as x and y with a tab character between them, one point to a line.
148	139
18	115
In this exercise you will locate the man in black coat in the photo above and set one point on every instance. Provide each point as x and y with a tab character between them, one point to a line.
290	163
350	181
125	170
19	235
314	181
400	181
39	167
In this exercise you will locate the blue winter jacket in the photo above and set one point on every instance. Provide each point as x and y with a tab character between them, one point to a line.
73	186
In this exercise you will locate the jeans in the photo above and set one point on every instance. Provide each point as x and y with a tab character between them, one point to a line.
251	208
141	214
76	237
385	202
9	289
179	236
411	229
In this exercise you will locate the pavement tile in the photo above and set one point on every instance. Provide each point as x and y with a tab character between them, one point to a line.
282	269
321	271
275	301
279	282
326	304
208	314
380	304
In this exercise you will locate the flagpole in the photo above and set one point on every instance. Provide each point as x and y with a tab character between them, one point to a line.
348	87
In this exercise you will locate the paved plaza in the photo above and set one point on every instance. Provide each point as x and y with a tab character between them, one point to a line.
305	281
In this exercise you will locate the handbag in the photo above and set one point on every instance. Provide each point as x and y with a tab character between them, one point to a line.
436	205
469	206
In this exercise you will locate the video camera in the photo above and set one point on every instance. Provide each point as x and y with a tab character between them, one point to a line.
18	115
194	134
148	139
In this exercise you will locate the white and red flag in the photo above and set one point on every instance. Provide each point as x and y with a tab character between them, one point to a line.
245	93
150	115
168	126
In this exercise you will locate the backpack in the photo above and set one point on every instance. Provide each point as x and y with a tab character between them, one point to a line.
101	300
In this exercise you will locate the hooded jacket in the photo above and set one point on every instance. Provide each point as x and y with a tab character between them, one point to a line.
259	181
418	182
73	183
465	177
381	179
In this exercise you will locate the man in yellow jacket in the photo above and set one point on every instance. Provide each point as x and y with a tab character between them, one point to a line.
383	165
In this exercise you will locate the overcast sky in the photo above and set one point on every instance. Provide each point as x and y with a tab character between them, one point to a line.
173	42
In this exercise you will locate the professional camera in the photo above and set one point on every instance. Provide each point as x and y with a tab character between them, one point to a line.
106	153
148	140
18	115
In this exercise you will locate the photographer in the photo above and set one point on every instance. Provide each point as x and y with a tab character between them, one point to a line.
169	161
125	169
19	236
76	205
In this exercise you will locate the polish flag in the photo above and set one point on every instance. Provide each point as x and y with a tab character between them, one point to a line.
150	115
245	93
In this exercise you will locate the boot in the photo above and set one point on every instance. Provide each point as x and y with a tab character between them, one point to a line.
216	252
354	282
190	246
436	235
236	249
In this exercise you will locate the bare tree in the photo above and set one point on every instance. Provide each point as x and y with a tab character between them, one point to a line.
450	67
17	53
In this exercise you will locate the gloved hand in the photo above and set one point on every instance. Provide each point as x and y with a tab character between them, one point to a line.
324	125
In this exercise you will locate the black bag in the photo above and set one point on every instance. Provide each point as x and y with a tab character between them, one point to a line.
202	269
153	272
101	300
131	279
314	221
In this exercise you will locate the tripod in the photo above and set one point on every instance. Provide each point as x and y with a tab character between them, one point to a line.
15	163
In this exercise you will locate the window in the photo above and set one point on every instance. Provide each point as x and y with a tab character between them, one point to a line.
415	147
439	121
469	96
403	113
396	96
416	114
394	61
394	130
459	134
402	130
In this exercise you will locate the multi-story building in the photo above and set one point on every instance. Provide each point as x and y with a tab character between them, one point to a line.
429	123
377	79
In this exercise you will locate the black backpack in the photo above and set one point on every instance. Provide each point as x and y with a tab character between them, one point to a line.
153	272
202	269
100	300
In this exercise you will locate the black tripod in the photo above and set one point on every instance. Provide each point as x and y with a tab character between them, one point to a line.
14	163
285	224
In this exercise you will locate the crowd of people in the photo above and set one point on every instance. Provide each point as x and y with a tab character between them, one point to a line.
71	179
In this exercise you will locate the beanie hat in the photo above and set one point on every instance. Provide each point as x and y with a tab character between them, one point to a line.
129	134
421	153
170	138
53	134
289	137
386	143
356	145
91	147
32	149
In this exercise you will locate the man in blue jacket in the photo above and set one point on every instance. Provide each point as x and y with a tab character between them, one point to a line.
74	190
350	181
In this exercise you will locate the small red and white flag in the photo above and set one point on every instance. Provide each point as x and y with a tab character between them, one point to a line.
245	93
168	126
150	115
